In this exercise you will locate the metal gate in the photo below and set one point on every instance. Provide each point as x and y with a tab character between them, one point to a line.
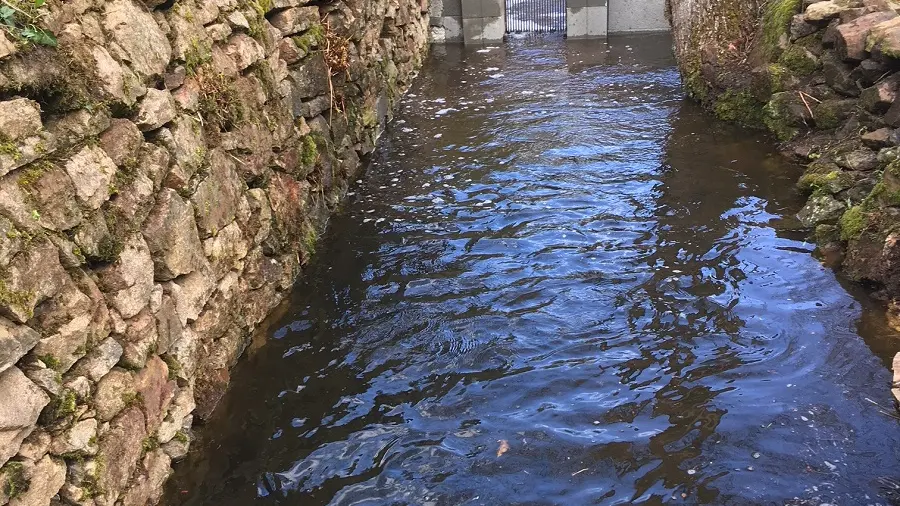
536	16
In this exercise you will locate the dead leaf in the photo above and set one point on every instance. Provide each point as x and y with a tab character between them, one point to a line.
503	448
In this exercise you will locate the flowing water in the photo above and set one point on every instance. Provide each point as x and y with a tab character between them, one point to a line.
560	283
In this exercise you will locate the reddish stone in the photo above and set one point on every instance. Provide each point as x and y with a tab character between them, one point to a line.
155	390
850	40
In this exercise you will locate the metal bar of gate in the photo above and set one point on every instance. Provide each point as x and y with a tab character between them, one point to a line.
535	16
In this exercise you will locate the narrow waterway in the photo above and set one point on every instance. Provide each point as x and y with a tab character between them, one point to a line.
560	283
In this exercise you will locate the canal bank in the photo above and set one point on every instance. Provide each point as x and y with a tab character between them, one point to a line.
821	77
560	282
166	168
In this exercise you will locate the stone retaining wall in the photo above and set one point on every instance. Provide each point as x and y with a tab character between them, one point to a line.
164	173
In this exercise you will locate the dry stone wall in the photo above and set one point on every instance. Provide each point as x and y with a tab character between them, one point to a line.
164	173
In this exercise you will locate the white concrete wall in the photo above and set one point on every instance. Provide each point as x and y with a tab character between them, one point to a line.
637	16
585	21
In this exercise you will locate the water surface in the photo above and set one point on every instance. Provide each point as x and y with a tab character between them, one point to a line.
560	283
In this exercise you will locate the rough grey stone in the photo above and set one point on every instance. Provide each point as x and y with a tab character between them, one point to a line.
114	392
15	342
80	438
138	39
19	118
100	360
92	173
172	236
821	209
156	109
129	281
45	478
20	406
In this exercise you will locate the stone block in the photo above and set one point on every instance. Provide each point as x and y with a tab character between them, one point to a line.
596	21
20	407
491	8
576	22
494	29
471	9
850	40
637	16
15	342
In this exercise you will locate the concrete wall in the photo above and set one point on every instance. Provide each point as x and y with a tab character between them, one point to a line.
637	16
586	19
482	21
446	21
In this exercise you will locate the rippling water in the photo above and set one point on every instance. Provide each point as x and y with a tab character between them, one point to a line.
553	251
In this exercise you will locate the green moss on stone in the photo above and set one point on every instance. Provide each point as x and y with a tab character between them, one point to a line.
310	237
740	107
31	175
149	443
309	151
881	196
173	366
15	483
18	299
196	56
799	60
811	182
776	22
776	120
829	114
777	74
181	437
9	148
50	361
312	37
893	168
826	234
90	483
220	103
108	249
852	223
61	408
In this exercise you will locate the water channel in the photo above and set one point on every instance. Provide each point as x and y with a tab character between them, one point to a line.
560	282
